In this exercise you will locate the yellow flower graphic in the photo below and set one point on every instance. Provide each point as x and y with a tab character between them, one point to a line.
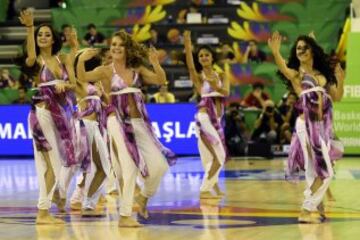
239	56
251	13
152	15
141	34
241	32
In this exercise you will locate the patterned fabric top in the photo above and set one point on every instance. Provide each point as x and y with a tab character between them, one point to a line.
46	75
118	83
206	88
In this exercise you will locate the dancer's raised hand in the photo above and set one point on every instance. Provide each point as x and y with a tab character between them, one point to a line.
339	72
89	54
26	18
187	36
153	55
274	42
73	38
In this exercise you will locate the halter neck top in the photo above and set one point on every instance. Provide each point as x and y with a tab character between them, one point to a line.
118	83
47	76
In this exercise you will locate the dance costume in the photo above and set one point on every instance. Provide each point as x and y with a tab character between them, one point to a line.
312	149
209	127
54	132
134	145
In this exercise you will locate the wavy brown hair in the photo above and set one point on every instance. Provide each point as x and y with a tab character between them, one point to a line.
136	53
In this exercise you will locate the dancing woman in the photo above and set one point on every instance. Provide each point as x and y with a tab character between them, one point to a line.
134	146
54	144
213	89
92	114
309	74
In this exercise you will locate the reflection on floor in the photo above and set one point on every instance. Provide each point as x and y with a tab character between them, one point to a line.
259	204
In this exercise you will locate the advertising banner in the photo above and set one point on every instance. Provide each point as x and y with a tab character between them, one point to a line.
173	123
347	112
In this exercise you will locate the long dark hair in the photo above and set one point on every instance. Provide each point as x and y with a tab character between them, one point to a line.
198	66
56	47
321	61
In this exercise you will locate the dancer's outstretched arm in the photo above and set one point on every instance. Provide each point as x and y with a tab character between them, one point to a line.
26	18
274	43
337	91
190	61
156	77
92	76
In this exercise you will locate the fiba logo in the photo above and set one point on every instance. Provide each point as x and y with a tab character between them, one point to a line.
352	91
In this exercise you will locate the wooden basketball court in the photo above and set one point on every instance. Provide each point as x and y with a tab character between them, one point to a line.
259	204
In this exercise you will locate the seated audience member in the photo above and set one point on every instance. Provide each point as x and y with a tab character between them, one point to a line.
174	36
156	38
267	125
65	34
164	96
6	80
288	115
256	97
235	130
25	81
174	58
22	97
253	53
93	37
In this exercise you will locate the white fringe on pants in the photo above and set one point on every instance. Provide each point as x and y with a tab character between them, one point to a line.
312	200
51	134
125	168
206	156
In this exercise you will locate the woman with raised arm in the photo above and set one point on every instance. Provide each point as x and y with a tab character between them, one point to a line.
134	146
52	118
93	116
213	88
309	74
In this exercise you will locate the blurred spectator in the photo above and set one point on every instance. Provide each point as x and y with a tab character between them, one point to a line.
235	130
156	38
174	36
6	81
65	34
164	96
22	97
174	58
288	116
25	81
226	54
228	57
162	56
93	37
193	8
267	126
257	97
253	53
